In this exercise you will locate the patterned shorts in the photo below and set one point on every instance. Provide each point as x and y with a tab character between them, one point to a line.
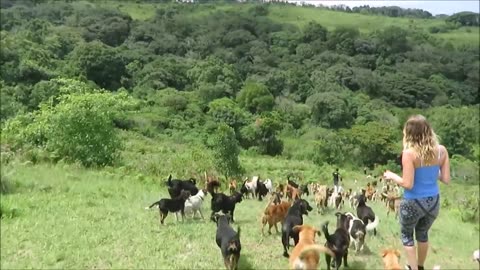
418	215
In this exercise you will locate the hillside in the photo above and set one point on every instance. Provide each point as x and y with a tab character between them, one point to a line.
102	100
300	16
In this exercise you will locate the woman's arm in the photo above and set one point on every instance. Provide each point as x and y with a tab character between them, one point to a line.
408	171
444	167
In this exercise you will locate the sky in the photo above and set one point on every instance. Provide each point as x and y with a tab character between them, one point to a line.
434	7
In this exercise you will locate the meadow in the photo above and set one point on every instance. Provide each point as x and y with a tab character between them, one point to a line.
66	216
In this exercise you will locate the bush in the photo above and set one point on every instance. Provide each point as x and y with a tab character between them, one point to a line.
80	128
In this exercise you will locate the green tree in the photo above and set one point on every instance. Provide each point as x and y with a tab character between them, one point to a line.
226	151
255	97
330	109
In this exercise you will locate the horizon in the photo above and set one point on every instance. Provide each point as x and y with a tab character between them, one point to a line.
434	7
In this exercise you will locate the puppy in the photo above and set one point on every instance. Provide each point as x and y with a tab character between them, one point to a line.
366	214
390	259
357	232
306	254
273	214
294	217
338	242
194	203
228	241
172	205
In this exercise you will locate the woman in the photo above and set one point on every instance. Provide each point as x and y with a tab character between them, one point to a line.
422	159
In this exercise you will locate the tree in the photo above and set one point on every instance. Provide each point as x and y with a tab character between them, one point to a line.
255	97
330	109
226	151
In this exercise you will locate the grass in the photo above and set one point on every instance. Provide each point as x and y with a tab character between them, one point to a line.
70	217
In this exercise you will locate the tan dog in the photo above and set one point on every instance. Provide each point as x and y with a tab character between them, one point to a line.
390	259
393	204
274	214
306	254
321	198
232	186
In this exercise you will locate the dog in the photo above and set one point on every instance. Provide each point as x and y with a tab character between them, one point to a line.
269	185
224	203
357	232
338	242
390	259
194	203
476	255
393	204
261	190
304	190
273	214
366	214
228	241
306	254
321	198
291	192
232	186
175	186
294	217
171	205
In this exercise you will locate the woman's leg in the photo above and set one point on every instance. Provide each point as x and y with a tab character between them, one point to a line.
409	216
431	207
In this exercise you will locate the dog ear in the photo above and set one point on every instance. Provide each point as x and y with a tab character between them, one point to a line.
397	252
297	228
338	214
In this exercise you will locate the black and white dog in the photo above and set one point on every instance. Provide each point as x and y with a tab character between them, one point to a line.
366	214
357	232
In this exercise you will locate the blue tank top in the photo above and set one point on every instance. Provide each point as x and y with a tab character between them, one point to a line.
425	182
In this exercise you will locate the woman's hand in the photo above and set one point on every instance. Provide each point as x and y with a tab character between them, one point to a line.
390	175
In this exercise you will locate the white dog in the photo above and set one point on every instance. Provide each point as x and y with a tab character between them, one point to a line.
269	185
194	203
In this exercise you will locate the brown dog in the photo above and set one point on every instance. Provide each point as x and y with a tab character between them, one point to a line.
390	259
274	214
306	254
232	186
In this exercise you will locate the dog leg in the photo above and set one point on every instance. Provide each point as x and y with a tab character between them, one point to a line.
345	263
200	212
276	229
328	260
176	216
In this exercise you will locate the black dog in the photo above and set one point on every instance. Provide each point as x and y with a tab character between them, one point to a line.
338	242
224	203
172	205
294	217
261	190
304	190
175	186
228	241
366	214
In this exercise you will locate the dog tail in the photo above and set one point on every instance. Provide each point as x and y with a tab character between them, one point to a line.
153	204
325	231
233	245
238	232
316	248
374	224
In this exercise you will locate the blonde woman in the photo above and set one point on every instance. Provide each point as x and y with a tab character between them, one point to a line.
423	162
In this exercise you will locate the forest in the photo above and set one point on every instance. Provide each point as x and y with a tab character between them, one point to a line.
74	73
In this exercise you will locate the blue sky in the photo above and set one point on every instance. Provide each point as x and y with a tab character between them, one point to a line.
434	7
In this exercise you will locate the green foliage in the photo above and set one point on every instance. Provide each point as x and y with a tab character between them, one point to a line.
374	143
226	111
79	128
226	151
262	135
457	128
255	97
330	109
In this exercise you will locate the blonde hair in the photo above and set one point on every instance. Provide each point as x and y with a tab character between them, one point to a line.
419	136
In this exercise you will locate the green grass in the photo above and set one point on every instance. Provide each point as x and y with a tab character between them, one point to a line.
69	217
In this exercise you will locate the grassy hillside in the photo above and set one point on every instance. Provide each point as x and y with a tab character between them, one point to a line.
300	16
67	217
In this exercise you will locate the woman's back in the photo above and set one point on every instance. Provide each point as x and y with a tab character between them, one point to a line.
425	182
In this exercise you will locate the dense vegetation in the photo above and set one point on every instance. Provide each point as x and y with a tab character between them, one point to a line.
73	72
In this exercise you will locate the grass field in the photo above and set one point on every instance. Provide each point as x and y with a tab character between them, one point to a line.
64	216
300	16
